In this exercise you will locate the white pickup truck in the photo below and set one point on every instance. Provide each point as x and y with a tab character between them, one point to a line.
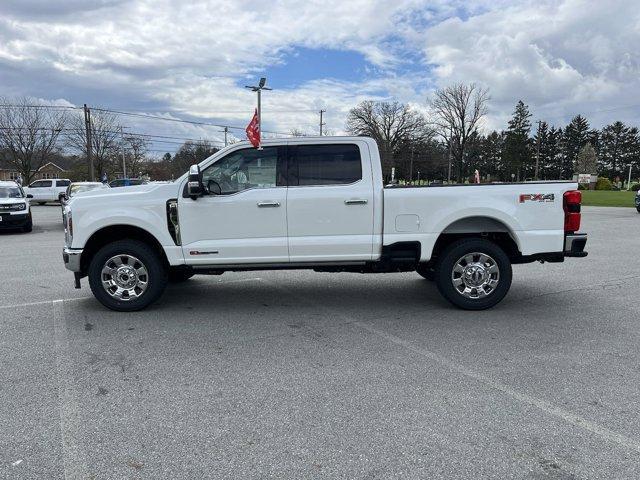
314	203
47	190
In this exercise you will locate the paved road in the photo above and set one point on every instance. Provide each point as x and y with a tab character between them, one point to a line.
310	375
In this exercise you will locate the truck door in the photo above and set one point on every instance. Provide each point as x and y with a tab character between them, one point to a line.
246	222
330	202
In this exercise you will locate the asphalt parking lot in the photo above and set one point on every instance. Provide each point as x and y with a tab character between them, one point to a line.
312	375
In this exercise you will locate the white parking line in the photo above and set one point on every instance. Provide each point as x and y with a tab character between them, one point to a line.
75	464
543	405
43	302
256	279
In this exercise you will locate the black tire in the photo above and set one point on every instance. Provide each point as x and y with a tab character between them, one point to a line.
156	271
426	272
28	227
455	253
179	275
638	209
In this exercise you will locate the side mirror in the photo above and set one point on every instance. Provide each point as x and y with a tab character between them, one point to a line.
195	188
29	195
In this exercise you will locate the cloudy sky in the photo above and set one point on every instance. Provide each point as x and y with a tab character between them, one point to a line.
191	59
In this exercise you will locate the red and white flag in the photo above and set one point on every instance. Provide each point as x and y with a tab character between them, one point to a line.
253	130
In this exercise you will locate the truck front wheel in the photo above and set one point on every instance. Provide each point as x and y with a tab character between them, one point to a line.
127	275
473	274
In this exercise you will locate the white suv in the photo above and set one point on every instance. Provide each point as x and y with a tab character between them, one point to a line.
14	207
49	190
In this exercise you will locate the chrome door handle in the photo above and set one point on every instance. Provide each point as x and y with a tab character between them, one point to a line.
355	202
268	204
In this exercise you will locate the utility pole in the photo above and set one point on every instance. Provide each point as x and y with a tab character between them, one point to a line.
411	167
450	146
629	183
321	123
538	151
226	131
258	89
124	164
87	127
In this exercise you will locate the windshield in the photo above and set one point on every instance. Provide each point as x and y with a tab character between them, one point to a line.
10	192
82	188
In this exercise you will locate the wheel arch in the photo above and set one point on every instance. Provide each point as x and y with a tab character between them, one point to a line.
112	233
480	226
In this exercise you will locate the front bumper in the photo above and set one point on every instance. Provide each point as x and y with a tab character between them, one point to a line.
15	220
574	244
71	258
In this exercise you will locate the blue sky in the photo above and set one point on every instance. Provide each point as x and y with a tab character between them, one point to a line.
191	60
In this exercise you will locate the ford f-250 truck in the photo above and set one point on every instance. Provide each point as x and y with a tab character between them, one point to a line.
315	203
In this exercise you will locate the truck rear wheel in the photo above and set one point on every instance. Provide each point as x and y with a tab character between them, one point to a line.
473	274
127	275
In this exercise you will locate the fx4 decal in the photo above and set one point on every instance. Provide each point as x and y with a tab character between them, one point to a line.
537	197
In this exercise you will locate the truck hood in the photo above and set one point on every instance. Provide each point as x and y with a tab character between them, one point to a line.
133	194
5	201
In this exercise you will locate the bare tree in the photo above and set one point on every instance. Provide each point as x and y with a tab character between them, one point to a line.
136	147
105	138
457	111
390	124
295	132
29	134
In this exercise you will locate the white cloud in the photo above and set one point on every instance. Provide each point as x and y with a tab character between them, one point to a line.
562	59
192	58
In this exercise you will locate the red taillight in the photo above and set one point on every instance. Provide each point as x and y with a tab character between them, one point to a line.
571	203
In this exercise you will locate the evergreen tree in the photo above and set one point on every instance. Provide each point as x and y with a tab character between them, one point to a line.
553	155
618	149
492	151
576	136
517	152
540	141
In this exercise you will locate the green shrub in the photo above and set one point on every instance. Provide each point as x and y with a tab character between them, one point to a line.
582	186
635	188
603	183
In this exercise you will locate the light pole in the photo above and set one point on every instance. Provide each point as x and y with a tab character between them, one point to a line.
321	122
258	89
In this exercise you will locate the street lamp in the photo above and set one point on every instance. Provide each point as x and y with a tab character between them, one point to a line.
258	89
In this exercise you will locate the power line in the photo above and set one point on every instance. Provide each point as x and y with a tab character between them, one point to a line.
191	122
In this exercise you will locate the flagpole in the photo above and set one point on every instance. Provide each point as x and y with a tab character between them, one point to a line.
260	117
258	89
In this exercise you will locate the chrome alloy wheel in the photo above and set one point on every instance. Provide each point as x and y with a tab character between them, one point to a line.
124	277
475	275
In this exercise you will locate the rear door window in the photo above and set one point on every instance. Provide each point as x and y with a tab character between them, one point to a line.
325	165
41	184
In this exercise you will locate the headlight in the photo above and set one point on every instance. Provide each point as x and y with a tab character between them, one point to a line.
13	207
68	227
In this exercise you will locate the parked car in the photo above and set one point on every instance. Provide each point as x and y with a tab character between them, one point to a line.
80	187
126	182
15	211
638	201
315	203
47	190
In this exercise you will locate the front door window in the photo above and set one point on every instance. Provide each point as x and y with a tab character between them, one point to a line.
243	170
